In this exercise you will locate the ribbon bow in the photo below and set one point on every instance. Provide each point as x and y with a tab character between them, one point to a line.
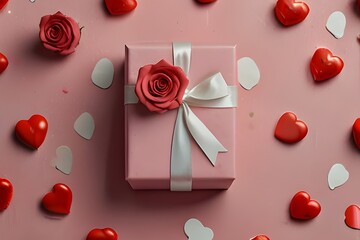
213	92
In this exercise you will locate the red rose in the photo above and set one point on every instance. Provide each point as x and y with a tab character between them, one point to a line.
59	33
161	87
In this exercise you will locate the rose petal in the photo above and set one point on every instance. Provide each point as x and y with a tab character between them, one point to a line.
151	107
168	105
50	47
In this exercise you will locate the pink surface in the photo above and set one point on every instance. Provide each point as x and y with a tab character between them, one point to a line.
149	135
268	172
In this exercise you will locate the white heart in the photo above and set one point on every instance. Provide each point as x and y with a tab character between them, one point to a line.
194	230
64	159
85	125
32	1
336	24
248	73
338	175
103	73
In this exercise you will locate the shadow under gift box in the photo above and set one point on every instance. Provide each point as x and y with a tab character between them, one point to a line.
148	136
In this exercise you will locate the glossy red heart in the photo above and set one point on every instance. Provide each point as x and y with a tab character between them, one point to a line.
356	132
3	3
260	237
206	1
58	200
102	234
6	193
352	216
289	129
290	12
119	7
302	208
32	132
324	65
3	62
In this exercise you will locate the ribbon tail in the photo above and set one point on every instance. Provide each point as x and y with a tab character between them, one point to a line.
208	143
181	165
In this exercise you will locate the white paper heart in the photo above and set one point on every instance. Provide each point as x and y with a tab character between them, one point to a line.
32	1
336	24
338	175
103	73
85	125
194	230
248	73
64	159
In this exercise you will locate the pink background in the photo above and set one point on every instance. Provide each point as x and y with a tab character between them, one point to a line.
269	173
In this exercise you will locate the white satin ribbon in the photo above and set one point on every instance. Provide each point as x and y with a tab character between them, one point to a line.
213	92
182	55
130	95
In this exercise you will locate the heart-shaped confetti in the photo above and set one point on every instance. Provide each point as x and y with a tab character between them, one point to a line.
324	65
291	12
3	4
32	132
248	73
64	159
102	234
58	200
195	230
336	24
260	237
85	125
6	193
303	208
119	7
356	132
103	73
289	129
338	175
3	62
352	216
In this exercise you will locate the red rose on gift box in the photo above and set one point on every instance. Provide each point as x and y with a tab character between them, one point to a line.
161	87
59	33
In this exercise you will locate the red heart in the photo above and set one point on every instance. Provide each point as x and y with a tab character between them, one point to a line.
3	3
102	234
118	7
3	60
6	193
260	237
32	132
206	1
302	208
290	12
289	129
58	200
325	65
356	132
352	216
358	4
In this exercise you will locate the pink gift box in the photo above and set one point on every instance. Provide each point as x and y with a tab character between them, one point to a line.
148	136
